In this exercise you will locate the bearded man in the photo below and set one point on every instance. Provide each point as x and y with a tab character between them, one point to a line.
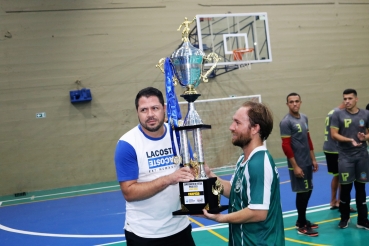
254	213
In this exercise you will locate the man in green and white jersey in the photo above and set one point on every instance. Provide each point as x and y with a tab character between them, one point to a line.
350	128
255	213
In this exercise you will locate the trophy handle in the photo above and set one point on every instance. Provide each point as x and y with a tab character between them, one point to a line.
215	57
160	65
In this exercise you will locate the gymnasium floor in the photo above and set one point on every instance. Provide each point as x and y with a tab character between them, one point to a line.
94	215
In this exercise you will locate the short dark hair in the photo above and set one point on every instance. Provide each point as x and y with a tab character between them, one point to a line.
148	92
349	91
292	94
261	115
367	107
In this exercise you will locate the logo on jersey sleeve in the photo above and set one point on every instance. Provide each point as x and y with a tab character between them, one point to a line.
237	187
363	176
276	171
361	122
159	158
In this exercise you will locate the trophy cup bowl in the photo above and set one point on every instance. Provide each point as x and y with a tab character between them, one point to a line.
187	63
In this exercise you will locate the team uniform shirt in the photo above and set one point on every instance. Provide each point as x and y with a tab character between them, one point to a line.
349	125
330	145
297	129
255	184
143	158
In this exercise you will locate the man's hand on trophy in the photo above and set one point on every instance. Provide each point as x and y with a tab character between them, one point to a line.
208	171
194	172
215	217
181	175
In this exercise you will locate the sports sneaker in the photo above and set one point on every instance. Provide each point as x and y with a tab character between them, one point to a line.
307	231
364	225
343	223
308	224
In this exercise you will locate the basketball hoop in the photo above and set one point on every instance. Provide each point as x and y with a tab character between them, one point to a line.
243	54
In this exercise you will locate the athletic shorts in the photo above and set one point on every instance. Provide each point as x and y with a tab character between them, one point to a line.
182	238
302	184
354	168
332	163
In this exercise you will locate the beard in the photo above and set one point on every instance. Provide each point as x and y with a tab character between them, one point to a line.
154	128
242	140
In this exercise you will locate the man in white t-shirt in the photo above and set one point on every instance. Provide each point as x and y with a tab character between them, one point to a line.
148	178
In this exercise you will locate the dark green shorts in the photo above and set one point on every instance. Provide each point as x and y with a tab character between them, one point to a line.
302	184
353	168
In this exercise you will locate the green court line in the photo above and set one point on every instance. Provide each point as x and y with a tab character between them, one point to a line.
37	196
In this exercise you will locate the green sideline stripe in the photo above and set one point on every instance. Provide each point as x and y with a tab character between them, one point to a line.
81	190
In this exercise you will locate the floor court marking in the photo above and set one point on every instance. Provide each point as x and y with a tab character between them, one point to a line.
5	228
285	182
209	230
105	244
304	242
32	198
113	243
201	228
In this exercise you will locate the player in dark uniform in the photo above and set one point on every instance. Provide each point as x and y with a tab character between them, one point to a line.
330	150
350	128
298	148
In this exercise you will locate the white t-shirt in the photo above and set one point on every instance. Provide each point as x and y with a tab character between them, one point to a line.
143	158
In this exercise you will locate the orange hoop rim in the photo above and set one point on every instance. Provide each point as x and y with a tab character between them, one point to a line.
243	50
237	53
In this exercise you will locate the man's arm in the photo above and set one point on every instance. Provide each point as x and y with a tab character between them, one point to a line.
245	215
312	155
338	137
287	149
135	191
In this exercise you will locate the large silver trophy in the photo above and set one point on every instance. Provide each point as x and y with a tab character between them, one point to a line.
186	63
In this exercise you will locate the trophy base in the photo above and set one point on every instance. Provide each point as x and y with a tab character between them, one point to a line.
200	194
194	212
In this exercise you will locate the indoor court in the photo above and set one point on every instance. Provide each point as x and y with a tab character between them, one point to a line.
70	71
94	215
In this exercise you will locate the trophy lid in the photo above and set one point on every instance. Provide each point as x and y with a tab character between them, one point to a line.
187	49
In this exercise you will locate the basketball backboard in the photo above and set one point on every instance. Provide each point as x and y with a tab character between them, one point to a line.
226	33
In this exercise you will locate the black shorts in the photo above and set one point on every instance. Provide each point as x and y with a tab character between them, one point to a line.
182	238
332	163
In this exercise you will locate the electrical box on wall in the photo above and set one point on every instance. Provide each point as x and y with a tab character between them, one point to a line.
82	95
